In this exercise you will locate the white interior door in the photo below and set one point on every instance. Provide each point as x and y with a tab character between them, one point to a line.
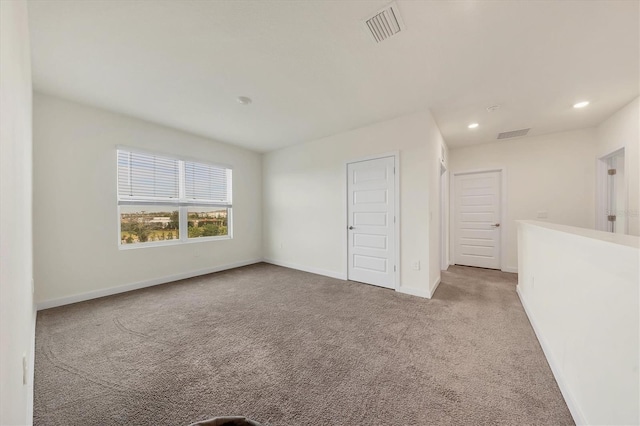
616	194
612	194
371	218
477	219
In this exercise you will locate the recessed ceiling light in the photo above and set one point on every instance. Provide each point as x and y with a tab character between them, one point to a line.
581	104
244	100
473	125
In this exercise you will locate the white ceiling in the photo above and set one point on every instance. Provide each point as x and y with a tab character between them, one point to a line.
312	70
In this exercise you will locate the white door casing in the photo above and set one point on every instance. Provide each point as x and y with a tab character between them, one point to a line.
444	234
371	192
477	219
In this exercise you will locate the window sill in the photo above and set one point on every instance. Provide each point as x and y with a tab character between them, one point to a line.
172	242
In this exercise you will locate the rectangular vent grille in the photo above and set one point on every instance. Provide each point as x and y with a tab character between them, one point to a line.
385	23
513	134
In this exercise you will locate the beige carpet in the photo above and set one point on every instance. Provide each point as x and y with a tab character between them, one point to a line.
285	347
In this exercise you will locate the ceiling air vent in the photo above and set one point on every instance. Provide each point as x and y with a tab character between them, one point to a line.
386	23
513	134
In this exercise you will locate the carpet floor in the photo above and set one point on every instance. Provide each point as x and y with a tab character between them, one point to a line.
285	347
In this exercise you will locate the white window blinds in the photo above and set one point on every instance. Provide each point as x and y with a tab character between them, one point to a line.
145	176
151	178
205	182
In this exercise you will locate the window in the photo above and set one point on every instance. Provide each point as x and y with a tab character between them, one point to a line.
163	200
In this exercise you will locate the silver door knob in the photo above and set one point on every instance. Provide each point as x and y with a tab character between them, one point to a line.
351	227
495	225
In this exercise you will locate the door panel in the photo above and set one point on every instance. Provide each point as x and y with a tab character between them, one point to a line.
371	212
371	263
370	219
370	241
477	250
477	211
476	216
370	196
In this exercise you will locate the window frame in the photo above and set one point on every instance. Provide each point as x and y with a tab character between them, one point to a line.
181	204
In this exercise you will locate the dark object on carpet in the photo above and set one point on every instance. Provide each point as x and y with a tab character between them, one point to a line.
286	347
227	421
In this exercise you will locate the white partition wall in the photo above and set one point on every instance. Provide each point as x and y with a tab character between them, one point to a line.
17	312
580	290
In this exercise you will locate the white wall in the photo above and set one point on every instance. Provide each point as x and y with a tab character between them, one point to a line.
305	198
622	130
580	290
554	173
434	154
75	212
17	314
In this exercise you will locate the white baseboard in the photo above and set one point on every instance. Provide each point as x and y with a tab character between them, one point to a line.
575	410
318	271
511	269
434	287
414	292
52	303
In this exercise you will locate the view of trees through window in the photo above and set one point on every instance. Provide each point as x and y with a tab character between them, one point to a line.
143	224
207	222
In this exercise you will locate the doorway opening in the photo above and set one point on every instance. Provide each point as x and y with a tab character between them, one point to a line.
444	218
611	215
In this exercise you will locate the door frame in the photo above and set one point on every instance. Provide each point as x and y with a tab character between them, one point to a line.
444	218
396	208
601	189
503	214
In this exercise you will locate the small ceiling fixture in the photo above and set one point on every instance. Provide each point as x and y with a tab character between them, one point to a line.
581	104
244	100
473	125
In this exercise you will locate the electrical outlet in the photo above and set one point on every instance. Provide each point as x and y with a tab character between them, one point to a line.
416	266
542	214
